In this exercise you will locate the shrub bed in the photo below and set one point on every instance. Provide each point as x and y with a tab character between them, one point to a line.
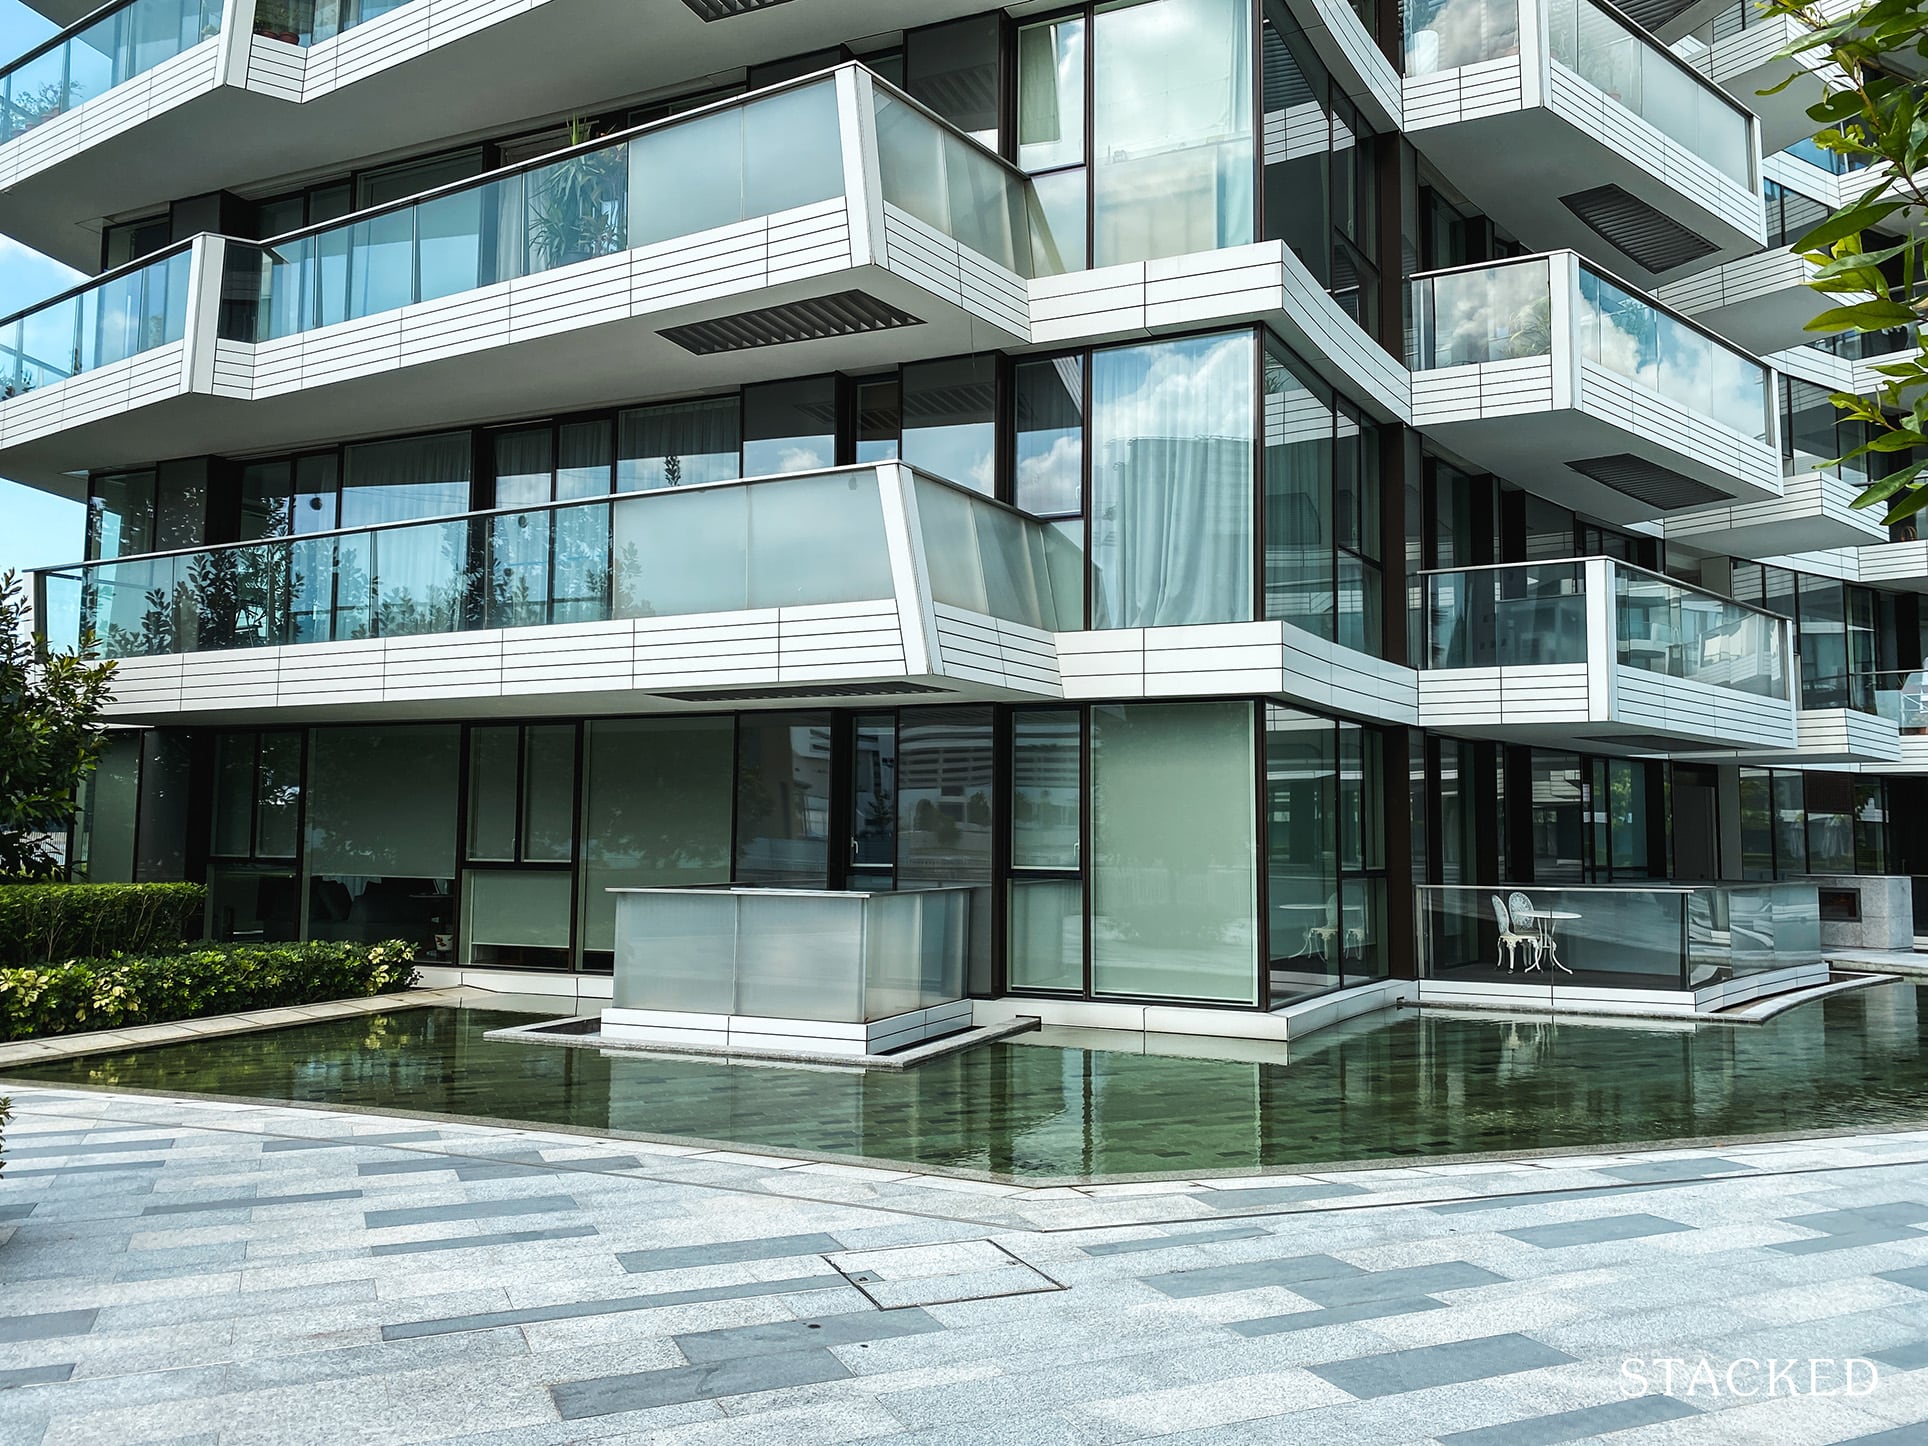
42	923
129	989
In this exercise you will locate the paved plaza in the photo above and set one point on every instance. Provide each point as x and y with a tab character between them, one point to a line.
196	1271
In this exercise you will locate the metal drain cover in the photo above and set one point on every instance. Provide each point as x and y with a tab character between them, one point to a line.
908	1275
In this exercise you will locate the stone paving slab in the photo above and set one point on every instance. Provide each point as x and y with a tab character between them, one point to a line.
316	1275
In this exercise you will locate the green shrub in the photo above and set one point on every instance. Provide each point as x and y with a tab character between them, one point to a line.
40	923
129	989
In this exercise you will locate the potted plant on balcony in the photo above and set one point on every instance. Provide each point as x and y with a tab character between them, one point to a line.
576	205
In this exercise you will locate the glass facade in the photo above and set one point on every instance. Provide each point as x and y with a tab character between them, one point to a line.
1173	451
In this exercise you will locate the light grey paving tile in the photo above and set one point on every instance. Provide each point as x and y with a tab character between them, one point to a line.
1899	1436
1422	1366
1870	1234
247	1202
340	1142
1173	1242
792	1335
1914	1276
469	1210
1525	1199
1302	1320
47	1325
416	1164
1259	1196
1249	1275
679	1385
17	1211
1594	1232
1404	1283
1588	1423
726	1252
111	1167
569	1310
1698	1167
1913	1356
478	1242
34	1375
86	1147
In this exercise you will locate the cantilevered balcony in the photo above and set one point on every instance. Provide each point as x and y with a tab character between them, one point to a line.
830	223
1544	368
1594	651
1761	302
137	106
1815	509
872	581
1743	61
1566	123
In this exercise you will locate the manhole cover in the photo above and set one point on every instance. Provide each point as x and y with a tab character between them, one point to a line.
908	1275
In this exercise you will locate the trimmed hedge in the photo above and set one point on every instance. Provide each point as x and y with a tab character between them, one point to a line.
124	989
40	923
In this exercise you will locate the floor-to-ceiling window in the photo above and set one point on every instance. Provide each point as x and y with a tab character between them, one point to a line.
518	882
1174	856
1046	898
1306	934
379	856
1172	456
253	886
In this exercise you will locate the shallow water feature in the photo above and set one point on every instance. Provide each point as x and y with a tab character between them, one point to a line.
1404	1083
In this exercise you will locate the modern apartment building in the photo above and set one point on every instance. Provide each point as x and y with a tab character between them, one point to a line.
1284	503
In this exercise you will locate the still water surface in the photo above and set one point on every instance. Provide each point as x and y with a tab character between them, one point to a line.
1404	1083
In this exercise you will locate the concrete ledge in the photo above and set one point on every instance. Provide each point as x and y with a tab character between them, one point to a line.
583	1032
142	1036
1293	1021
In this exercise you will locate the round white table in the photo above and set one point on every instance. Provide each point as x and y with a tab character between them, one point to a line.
1550	917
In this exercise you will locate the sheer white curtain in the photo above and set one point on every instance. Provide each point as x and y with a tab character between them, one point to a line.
1172	456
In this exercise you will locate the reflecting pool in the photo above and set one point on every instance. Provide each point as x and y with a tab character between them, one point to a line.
1399	1084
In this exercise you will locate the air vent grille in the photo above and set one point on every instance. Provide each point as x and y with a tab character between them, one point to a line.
848	313
708	10
1650	15
799	690
1647	482
1629	224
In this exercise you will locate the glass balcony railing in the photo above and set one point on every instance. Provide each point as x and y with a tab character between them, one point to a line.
778	149
88	59
1900	696
120	315
1624	63
1543	613
1662	626
309	22
785	541
1505	311
1661	937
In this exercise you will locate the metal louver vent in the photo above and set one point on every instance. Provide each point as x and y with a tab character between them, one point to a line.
1650	237
848	313
1647	482
1639	742
707	10
1652	14
800	690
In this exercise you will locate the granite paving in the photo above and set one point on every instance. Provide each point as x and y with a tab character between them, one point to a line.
288	1275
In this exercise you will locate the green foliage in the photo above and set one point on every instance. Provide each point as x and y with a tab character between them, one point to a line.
129	989
1870	60
41	923
50	735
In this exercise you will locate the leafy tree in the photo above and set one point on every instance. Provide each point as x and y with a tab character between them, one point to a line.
1871	60
50	734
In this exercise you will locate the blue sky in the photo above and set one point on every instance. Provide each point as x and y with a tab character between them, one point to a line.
35	529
